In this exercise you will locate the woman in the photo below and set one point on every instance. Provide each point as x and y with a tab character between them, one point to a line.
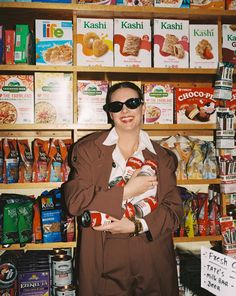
113	261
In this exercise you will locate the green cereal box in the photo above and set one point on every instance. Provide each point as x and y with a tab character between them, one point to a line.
21	43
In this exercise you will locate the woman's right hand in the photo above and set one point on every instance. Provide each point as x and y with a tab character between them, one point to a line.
138	185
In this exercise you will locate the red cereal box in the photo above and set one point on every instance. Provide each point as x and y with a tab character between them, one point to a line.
195	105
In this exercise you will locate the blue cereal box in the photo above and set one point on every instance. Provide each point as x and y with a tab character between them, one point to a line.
53	42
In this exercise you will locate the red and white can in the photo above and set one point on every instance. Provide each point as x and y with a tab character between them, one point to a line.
145	206
129	211
98	218
132	164
149	168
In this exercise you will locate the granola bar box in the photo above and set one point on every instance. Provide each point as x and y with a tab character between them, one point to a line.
94	41
91	98
53	42
171	43
195	105
203	46
16	99
159	103
53	98
132	43
229	43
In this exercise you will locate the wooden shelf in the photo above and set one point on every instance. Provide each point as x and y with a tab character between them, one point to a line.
198	181
197	239
40	246
43	185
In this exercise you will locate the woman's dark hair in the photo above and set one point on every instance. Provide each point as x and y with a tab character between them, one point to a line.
123	84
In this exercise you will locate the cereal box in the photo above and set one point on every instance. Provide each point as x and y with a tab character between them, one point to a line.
132	43
16	99
94	42
231	104
23	38
230	4
53	98
91	98
97	2
172	3
171	43
203	46
229	43
9	43
195	105
159	103
135	2
207	4
53	42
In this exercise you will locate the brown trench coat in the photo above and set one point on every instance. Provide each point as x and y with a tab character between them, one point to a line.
88	189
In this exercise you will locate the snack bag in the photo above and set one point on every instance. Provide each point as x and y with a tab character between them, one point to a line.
11	160
41	161
26	162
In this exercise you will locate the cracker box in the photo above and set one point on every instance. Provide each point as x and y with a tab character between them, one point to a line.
172	3
159	103
229	43
16	99
53	42
171	43
94	42
91	98
9	43
207	4
132	43
195	105
53	98
203	46
231	104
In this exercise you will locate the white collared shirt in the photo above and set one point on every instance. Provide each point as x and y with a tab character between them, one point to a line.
120	163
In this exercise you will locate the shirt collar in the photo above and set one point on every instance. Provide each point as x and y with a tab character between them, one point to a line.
144	140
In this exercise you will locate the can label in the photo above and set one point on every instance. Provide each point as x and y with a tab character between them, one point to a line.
129	211
61	270
145	206
98	218
133	163
149	168
65	291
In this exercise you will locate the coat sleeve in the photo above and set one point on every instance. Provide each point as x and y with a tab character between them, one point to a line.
167	216
83	192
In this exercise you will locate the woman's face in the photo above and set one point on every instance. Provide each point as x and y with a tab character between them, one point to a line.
127	119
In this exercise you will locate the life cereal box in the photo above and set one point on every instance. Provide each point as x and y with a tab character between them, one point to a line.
91	98
16	99
53	42
159	103
203	46
53	98
171	43
172	3
195	105
229	43
94	42
231	104
132	43
207	4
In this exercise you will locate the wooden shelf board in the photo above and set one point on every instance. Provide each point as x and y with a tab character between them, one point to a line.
198	181
36	68
41	246
197	239
28	127
178	127
43	185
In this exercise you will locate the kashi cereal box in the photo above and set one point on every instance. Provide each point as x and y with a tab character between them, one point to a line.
231	104
172	3
132	43
159	103
94	42
229	43
53	98
135	2
230	4
91	98
54	44
207	4
16	99
171	43
203	46
195	105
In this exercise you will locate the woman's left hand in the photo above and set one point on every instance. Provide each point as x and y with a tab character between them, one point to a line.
117	226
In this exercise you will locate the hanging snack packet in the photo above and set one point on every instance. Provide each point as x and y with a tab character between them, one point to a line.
37	229
10	224
1	161
224	81
25	222
26	162
11	159
65	165
56	160
41	161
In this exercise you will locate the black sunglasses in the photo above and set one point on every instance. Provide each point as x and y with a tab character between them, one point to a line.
117	106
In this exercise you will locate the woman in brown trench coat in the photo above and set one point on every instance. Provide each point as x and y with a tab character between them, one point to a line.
113	261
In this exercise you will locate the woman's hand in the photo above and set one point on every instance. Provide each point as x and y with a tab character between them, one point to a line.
117	226
138	185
